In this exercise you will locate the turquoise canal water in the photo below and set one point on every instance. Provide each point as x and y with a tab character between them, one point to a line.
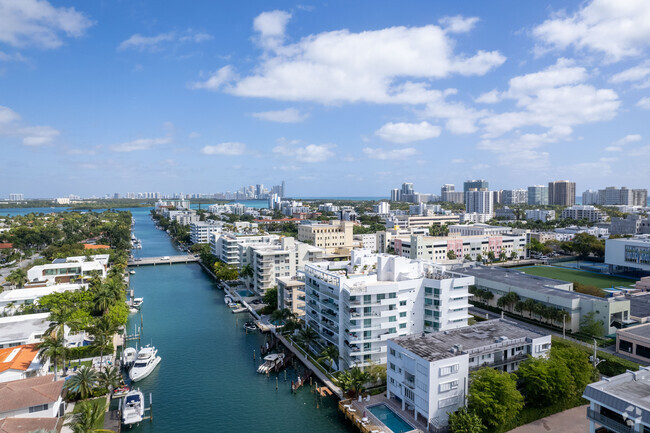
207	380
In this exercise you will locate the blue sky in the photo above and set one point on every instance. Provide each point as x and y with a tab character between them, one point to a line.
339	99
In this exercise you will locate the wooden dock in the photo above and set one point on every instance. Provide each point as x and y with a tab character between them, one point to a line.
164	260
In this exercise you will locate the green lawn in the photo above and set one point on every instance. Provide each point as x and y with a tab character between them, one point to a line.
571	275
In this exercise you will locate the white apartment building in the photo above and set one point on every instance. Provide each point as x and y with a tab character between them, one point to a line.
360	304
479	201
366	241
540	215
68	270
200	231
281	258
478	230
474	217
514	196
628	253
396	222
578	212
620	404
382	208
332	237
437	248
429	374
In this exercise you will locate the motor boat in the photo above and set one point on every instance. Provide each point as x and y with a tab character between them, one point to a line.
250	326
132	405
270	361
137	303
128	357
121	391
228	299
132	272
144	364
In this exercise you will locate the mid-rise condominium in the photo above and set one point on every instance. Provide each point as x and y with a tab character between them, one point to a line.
332	237
360	304
429	374
481	202
562	193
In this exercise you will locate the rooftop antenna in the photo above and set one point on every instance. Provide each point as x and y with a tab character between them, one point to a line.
594	358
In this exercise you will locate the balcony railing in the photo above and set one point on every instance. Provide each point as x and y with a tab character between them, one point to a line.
610	423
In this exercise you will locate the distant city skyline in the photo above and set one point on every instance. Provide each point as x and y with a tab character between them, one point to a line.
97	98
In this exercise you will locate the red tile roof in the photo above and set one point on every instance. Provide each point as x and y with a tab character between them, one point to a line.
96	247
20	361
7	245
19	394
27	425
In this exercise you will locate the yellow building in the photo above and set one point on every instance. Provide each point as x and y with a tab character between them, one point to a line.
333	237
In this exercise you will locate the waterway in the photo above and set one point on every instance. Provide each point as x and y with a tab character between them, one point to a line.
207	380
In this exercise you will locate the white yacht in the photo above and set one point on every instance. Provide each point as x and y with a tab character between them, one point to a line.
128	357
132	405
144	364
270	361
137	303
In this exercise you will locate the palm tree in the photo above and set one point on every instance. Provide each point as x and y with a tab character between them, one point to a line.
329	355
58	318
110	378
83	383
307	336
53	349
86	416
247	271
17	278
354	380
115	288
103	300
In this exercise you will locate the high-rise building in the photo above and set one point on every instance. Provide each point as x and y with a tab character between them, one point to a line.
407	188
478	184
449	194
395	194
590	197
562	193
481	202
640	197
538	195
612	196
515	196
16	197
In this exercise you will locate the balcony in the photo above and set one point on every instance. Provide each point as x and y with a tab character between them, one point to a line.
610	423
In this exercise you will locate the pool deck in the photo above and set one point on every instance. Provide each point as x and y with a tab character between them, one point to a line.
354	411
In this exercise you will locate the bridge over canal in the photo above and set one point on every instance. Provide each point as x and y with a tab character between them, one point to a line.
164	260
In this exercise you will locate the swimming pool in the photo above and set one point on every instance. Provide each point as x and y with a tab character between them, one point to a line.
244	293
390	418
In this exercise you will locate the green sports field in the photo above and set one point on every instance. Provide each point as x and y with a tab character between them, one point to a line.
571	275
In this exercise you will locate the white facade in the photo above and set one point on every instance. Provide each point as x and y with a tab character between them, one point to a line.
429	374
478	230
367	241
515	196
11	300
587	212
540	215
437	249
200	231
67	271
481	202
382	208
23	329
628	253
360	304
474	217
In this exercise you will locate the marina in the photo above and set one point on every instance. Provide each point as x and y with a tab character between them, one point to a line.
206	349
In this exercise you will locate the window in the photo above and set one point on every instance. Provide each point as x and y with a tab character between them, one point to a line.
367	322
409	394
392	319
392	331
381	296
444	402
449	369
625	346
448	386
428	291
367	299
402	314
643	351
402	303
392	353
402	326
38	408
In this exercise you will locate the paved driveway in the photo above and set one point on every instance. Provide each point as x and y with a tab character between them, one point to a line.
570	421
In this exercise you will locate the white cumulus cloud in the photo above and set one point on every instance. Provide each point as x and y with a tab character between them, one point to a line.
38	23
391	65
408	132
615	28
11	126
158	42
644	103
228	149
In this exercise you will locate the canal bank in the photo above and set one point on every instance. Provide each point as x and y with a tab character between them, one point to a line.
207	380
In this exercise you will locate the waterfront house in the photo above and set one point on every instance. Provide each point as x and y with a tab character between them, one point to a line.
36	397
21	362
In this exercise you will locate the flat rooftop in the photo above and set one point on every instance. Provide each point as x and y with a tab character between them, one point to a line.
625	393
640	305
437	345
519	279
639	331
19	328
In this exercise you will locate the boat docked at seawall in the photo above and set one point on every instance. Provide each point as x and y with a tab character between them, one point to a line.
129	356
270	361
145	363
132	406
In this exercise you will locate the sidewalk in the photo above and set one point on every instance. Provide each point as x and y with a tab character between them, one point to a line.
570	421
